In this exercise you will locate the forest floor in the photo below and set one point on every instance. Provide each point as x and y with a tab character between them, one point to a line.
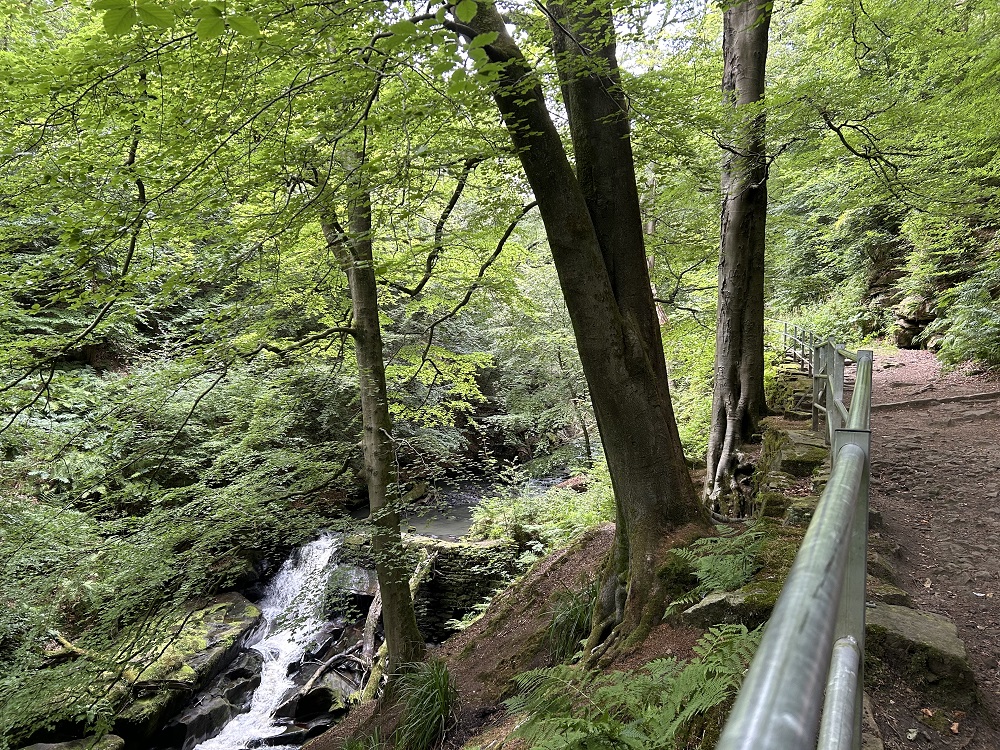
935	469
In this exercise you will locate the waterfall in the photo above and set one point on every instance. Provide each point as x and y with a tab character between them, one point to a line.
292	615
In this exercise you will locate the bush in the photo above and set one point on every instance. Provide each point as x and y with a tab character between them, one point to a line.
548	520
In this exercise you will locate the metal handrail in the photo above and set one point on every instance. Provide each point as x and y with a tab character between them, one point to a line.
814	641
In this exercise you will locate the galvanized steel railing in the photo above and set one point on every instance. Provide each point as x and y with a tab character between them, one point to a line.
806	680
798	344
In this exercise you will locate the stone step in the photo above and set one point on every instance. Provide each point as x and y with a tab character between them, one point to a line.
924	648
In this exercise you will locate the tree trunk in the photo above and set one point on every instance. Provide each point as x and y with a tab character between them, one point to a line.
595	234
738	395
403	640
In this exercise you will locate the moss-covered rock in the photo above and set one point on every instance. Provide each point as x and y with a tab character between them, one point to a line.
879	566
205	641
773	504
800	511
925	648
803	452
108	742
464	575
881	591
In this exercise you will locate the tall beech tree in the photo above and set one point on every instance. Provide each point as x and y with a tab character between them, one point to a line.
353	249
592	220
738	394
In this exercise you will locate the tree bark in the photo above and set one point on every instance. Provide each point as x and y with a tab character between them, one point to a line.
404	643
595	234
738	395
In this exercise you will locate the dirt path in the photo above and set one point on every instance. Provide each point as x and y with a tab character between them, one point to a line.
935	463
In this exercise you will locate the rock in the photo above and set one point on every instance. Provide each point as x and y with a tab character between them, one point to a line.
772	504
750	606
800	512
210	638
578	483
802	452
226	697
108	742
925	648
464	574
880	591
880	567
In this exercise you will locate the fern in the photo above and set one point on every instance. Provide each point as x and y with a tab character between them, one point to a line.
661	706
720	563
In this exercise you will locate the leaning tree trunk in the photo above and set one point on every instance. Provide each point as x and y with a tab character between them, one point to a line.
738	395
404	644
594	230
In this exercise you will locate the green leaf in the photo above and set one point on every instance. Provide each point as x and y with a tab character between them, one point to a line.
209	10
111	4
210	28
466	10
118	21
244	25
403	28
483	40
154	15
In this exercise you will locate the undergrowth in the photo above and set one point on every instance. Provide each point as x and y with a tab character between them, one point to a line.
720	563
572	612
429	697
666	705
547	521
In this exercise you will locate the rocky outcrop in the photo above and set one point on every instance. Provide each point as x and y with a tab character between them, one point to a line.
913	315
925	647
108	742
206	641
464	575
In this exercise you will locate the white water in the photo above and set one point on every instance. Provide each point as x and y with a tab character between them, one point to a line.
292	617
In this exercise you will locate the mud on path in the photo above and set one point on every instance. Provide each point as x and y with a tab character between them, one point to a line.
936	484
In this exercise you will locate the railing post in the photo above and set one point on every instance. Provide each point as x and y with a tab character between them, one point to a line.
841	723
818	385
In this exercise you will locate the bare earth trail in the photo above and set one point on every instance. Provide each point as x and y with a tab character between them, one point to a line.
936	484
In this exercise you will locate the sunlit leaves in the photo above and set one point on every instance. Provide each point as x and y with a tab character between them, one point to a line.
118	21
466	10
244	25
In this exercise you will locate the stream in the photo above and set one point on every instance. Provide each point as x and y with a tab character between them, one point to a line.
292	618
294	639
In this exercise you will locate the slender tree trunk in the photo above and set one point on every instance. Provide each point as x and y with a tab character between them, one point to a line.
404	643
738	396
595	234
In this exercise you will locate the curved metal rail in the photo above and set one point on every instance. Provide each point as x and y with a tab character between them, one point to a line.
806	680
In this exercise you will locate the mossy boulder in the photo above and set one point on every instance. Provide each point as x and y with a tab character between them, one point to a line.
925	648
108	742
750	606
203	643
881	591
464	574
773	504
800	511
803	452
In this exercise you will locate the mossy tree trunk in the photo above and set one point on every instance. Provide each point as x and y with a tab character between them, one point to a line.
594	227
738	394
404	643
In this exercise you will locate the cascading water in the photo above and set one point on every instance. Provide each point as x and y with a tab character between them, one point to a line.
292	616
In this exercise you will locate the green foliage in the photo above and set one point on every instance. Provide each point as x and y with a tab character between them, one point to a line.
720	563
572	613
666	704
549	520
429	697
